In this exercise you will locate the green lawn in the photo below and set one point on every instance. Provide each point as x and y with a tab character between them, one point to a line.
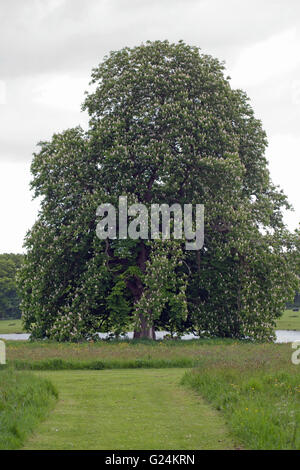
289	321
11	326
128	409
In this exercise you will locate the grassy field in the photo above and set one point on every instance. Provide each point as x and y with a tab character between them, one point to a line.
289	321
128	409
107	355
261	408
238	394
254	388
25	399
11	326
145	354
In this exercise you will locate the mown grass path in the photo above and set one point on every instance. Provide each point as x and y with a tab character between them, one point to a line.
128	409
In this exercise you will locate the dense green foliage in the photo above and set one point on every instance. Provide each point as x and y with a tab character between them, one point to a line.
9	299
24	401
165	127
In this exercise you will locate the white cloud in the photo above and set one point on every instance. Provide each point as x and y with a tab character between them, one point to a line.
17	210
44	7
36	107
274	57
53	44
284	162
2	92
63	92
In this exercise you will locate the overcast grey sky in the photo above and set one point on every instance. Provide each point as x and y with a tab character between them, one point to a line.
48	48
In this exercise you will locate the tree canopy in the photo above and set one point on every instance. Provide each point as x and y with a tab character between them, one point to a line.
165	127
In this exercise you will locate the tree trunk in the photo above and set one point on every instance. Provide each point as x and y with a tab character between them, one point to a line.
136	287
145	331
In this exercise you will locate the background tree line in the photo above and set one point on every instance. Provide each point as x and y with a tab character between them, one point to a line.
9	298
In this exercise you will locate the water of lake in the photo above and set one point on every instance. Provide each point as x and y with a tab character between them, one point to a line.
282	336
